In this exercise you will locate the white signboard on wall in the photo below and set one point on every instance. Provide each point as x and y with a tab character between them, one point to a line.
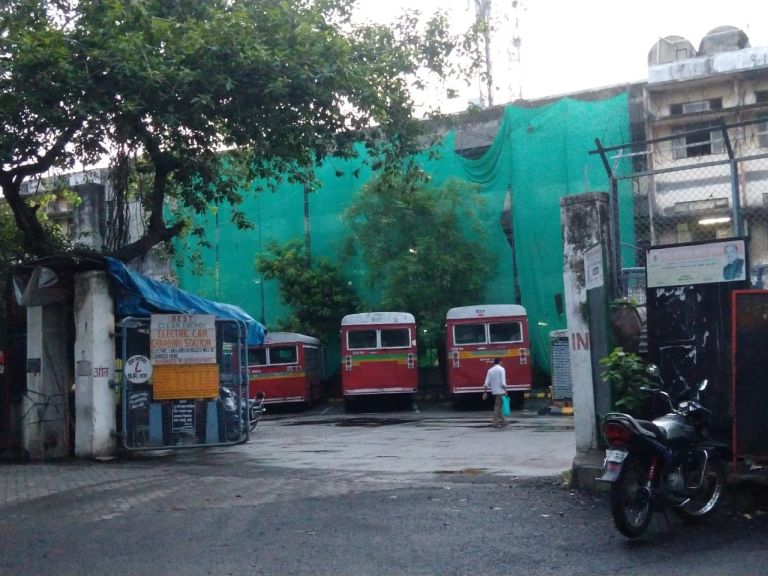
706	263
183	339
593	267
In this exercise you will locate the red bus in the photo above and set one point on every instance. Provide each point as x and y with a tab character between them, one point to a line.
287	368
378	354
475	335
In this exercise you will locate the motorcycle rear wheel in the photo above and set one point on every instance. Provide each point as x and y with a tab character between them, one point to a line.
706	500
630	499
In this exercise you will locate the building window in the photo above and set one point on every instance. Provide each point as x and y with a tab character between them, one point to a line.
762	131
696	106
697	140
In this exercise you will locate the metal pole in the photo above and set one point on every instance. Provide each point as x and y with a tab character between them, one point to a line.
736	224
614	255
261	280
307	241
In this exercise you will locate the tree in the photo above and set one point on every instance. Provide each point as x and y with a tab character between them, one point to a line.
318	295
165	87
423	245
13	249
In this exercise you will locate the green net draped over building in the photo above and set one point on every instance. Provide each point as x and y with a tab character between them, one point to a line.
539	155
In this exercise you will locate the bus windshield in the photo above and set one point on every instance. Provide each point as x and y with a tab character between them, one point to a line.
395	338
469	334
357	339
257	356
282	355
506	332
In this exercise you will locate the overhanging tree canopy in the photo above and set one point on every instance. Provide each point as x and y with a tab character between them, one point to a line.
278	84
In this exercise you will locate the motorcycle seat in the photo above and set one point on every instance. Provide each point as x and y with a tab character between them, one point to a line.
659	433
642	427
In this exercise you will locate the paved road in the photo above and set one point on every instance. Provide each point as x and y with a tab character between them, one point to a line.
327	493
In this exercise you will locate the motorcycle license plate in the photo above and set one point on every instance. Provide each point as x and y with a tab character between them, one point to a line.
615	455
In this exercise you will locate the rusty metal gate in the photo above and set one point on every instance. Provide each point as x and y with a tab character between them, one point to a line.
194	415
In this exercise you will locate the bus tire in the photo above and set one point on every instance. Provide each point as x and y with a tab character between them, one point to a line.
517	400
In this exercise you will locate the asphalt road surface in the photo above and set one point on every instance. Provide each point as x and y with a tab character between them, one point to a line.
432	492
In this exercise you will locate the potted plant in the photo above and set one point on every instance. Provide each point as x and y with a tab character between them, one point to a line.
626	373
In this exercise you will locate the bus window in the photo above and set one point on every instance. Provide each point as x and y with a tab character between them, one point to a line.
357	339
469	334
506	332
282	355
395	338
257	357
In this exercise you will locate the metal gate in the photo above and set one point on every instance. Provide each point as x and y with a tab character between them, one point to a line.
194	414
748	385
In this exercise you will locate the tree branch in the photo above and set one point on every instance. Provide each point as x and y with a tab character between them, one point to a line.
146	242
47	160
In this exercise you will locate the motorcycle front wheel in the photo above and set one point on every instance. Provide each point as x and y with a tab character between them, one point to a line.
706	498
631	499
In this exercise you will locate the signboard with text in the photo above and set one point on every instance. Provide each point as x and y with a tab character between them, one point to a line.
702	263
182	339
593	267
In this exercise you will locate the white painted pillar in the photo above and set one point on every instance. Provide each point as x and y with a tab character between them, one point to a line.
45	425
585	223
95	410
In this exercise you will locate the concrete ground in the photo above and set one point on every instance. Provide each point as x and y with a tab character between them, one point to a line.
422	439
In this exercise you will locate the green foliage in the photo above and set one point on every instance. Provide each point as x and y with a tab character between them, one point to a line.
14	249
318	295
626	373
424	246
278	84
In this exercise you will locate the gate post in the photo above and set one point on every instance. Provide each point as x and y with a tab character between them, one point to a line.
95	410
586	223
45	427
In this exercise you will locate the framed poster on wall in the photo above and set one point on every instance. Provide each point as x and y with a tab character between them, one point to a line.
699	263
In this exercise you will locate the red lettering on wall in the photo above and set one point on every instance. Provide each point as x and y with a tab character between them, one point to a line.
580	341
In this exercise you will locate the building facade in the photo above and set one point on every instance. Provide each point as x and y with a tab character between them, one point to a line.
705	173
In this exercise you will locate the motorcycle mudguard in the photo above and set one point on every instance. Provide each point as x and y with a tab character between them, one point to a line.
611	471
612	465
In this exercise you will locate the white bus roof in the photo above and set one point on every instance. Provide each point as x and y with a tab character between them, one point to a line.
485	311
289	338
378	318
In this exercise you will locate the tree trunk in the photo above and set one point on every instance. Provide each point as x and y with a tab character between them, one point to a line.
37	239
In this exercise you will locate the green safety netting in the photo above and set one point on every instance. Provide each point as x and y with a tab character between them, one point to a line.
539	155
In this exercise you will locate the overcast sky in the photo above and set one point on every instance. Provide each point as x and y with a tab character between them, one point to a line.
571	45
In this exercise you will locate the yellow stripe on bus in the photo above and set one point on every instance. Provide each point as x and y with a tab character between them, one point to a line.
280	376
464	354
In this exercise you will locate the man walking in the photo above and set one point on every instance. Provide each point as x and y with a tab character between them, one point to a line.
496	384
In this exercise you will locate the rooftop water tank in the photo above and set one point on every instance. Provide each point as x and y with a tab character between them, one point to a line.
670	49
723	39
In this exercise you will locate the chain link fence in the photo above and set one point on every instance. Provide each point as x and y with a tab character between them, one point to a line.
696	186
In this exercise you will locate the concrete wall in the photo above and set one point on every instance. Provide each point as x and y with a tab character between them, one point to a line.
45	424
94	357
585	221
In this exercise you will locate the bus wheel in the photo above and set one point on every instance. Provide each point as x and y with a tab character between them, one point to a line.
517	400
351	404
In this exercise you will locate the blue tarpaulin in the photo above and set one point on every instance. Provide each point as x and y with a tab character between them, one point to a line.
138	295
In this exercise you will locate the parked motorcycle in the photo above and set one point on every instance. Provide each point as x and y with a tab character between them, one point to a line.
235	420
670	462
